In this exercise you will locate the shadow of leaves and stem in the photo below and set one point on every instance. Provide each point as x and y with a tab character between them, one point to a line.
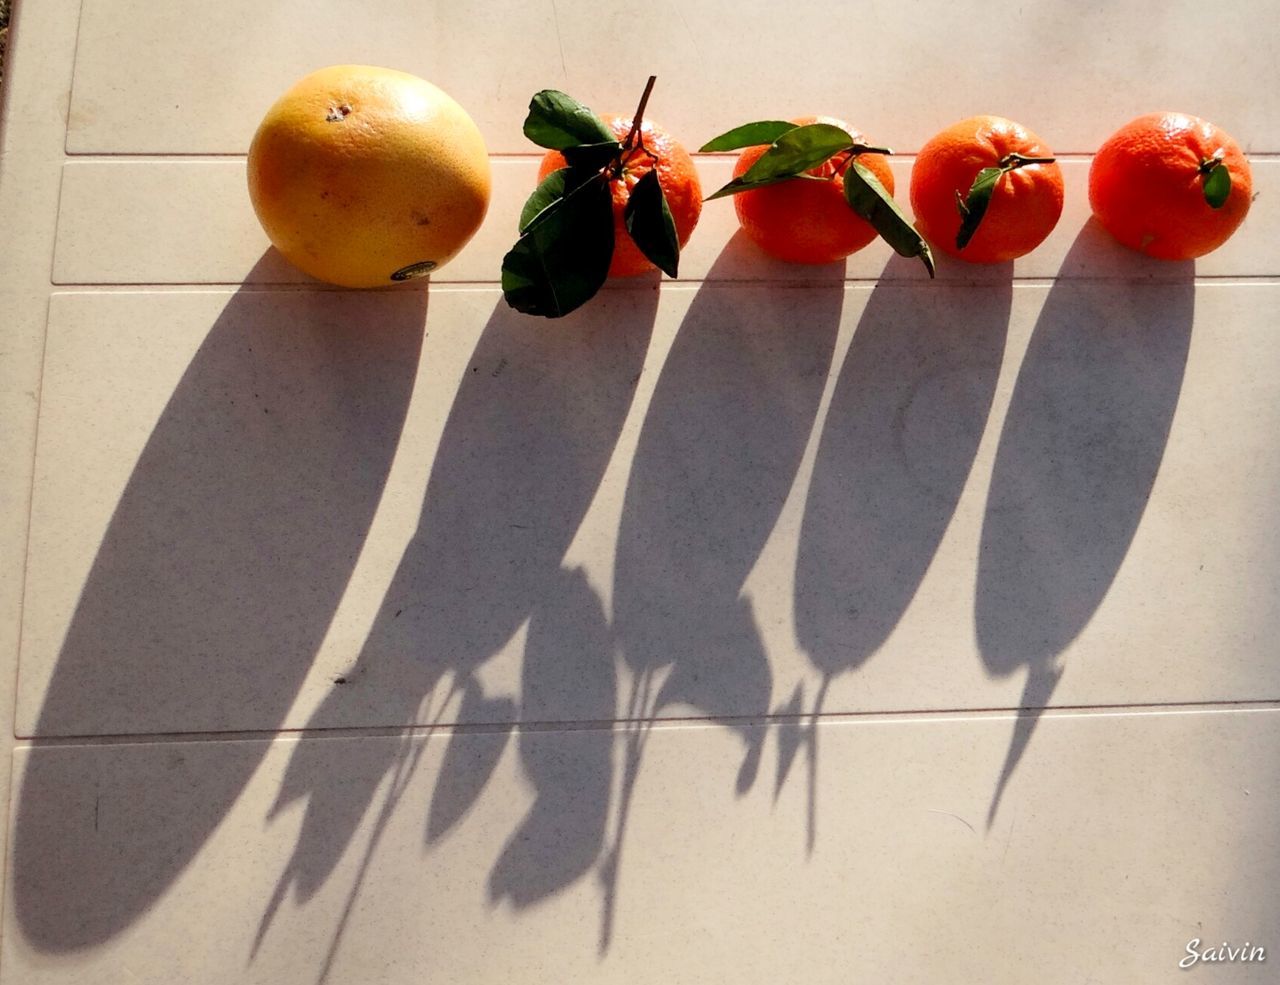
569	673
720	446
211	591
908	411
523	450
1082	443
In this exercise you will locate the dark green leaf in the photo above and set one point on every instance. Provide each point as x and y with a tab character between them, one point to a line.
791	155
867	197
974	207
798	150
743	185
748	135
1217	186
563	256
592	157
551	189
558	121
648	219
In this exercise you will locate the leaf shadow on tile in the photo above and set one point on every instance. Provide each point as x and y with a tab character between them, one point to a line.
213	586
525	446
719	449
907	414
569	672
1081	447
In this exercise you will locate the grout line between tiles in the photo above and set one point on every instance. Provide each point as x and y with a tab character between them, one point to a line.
31	498
6	130
214	286
44	350
900	716
71	85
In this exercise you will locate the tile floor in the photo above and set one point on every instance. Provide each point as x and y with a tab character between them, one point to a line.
388	637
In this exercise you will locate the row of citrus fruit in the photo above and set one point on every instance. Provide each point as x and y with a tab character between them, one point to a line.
362	176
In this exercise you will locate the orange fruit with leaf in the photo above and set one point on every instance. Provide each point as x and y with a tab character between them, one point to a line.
808	221
986	190
812	190
615	197
653	150
1170	185
364	176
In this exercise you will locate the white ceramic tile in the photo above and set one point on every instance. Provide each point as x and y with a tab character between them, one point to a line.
860	854
33	103
229	452
996	483
157	78
175	222
256	510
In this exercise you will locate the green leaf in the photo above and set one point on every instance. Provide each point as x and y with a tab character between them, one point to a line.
748	135
974	207
790	156
551	189
558	121
563	256
648	219
1217	186
743	185
592	157
867	197
793	154
798	150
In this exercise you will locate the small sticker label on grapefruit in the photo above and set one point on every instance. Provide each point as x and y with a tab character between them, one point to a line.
419	269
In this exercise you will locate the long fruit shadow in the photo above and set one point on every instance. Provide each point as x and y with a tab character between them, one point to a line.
906	416
210	593
531	429
1082	443
721	443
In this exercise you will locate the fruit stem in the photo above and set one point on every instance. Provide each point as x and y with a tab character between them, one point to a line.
639	117
1011	162
843	165
1207	164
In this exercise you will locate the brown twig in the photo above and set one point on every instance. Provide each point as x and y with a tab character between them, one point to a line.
639	117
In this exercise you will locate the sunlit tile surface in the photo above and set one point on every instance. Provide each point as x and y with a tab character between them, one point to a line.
773	624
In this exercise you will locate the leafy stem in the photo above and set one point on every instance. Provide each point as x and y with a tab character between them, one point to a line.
793	150
567	227
792	153
973	207
841	167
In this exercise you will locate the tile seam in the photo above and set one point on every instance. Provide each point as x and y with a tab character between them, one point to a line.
904	716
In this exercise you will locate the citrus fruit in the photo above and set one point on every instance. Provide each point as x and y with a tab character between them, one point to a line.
365	176
1025	190
1151	181
803	221
676	176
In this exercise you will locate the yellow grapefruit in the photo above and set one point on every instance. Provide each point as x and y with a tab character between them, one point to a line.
366	176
